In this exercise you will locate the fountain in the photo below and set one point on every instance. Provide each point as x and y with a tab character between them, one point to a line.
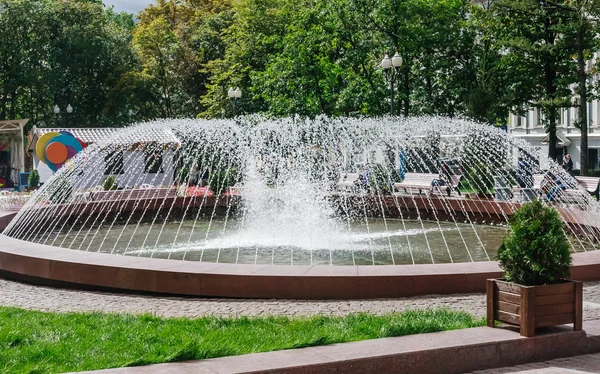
296	195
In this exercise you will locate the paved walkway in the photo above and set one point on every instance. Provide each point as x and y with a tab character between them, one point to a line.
63	300
583	364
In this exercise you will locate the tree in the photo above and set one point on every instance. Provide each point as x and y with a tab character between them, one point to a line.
174	40
479	76
581	38
58	53
535	57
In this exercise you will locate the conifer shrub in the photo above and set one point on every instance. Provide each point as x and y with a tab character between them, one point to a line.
382	180
536	251
220	180
61	190
110	183
480	178
34	178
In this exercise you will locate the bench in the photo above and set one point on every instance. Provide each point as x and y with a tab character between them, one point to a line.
135	193
591	185
530	193
421	181
347	180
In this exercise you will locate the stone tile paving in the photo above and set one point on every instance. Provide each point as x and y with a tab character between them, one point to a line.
62	300
583	364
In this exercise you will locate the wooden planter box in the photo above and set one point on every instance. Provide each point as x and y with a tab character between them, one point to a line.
530	307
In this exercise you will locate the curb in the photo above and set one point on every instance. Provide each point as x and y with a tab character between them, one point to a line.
448	352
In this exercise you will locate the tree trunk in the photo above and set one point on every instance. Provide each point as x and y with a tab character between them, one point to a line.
550	75
13	106
583	100
550	78
406	95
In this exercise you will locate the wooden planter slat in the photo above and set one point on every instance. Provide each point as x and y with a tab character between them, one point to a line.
508	297
555	289
555	319
509	287
548	310
530	307
509	307
507	317
555	299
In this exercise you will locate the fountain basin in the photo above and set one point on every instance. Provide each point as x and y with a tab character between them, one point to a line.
48	265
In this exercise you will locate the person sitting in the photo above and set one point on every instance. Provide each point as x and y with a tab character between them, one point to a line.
363	178
443	180
524	174
552	186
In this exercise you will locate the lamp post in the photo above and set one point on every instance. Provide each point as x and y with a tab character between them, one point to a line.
69	111
234	95
391	74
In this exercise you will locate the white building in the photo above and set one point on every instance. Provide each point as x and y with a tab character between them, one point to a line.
530	127
130	167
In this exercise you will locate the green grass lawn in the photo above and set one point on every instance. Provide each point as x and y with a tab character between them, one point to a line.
39	342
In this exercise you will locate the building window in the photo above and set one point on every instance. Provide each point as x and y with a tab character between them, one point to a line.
154	162
519	121
113	163
594	158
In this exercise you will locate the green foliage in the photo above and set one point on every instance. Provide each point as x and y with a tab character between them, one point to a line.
291	57
382	179
220	180
594	173
479	178
536	252
182	175
34	178
32	341
61	190
59	53
110	183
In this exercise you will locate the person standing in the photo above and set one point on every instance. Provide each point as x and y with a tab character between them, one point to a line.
568	164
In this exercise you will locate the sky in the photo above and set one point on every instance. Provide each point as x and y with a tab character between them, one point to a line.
131	6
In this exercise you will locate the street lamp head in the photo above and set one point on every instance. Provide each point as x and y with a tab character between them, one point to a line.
231	93
397	60
56	109
69	109
386	63
237	93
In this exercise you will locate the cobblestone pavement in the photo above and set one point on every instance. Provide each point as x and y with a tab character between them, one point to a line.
583	364
63	300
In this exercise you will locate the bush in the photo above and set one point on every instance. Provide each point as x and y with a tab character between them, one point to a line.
594	173
34	179
61	190
537	250
220	180
110	183
182	175
382	180
480	178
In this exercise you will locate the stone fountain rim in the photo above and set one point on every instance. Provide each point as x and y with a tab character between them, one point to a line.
44	264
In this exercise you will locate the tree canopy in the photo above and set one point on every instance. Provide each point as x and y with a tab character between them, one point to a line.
178	58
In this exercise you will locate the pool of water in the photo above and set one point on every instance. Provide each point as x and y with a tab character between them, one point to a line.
360	242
